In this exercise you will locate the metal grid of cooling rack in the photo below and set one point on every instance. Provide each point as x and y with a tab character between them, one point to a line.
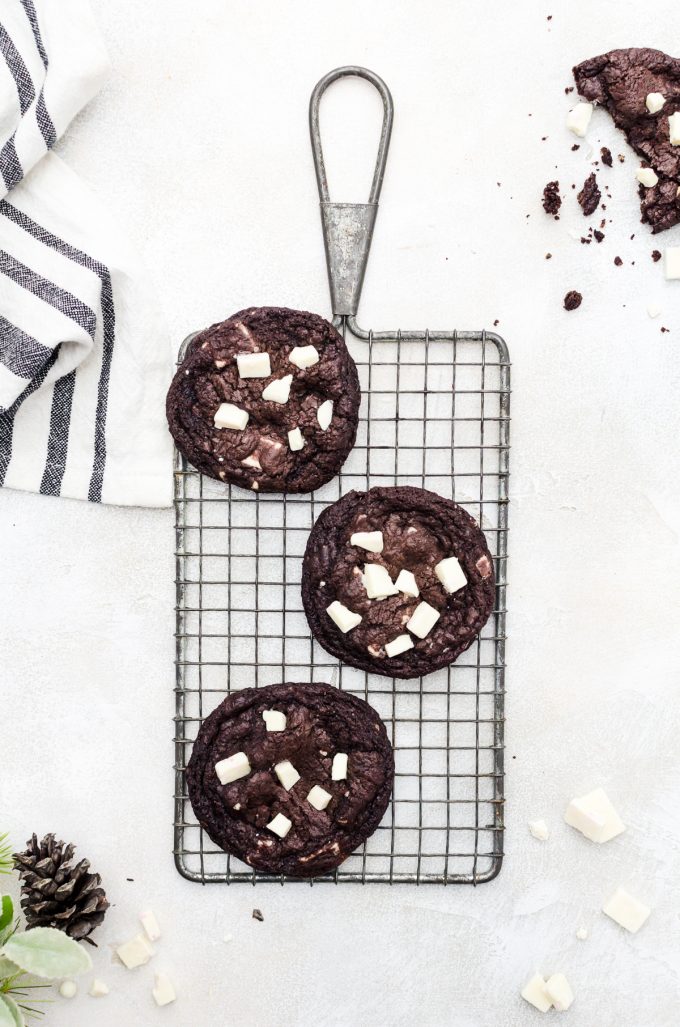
435	412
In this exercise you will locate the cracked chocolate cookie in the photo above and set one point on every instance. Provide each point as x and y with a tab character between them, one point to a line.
398	581
640	88
291	778
267	400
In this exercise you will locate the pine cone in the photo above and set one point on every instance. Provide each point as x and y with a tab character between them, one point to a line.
54	893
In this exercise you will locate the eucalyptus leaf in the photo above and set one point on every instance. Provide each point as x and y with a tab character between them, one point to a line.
47	952
10	1014
6	911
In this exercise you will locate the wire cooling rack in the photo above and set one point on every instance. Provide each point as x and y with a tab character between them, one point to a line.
435	412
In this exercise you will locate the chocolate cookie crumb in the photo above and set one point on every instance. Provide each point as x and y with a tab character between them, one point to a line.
496	323
257	915
572	300
656	255
576	146
599	236
568	89
665	329
606	154
590	195
548	256
618	261
552	201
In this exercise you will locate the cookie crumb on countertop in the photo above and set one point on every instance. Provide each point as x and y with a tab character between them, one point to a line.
572	300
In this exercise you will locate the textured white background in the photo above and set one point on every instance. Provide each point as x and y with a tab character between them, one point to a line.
200	142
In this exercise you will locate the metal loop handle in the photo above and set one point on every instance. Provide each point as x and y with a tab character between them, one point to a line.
348	227
383	146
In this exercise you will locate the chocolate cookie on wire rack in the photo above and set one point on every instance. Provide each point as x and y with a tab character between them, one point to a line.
267	400
398	581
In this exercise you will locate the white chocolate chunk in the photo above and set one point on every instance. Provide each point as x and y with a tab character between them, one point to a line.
233	768
582	933
150	925
278	391
280	825
287	774
626	910
647	177
98	988
163	992
339	768
671	262
595	817
230	416
319	798
399	645
135	952
303	356
378	582
655	102
579	117
539	829
674	128
295	440
274	719
345	619
372	541
324	414
534	993
558	991
451	575
407	584
253	365
653	310
68	989
252	461
423	619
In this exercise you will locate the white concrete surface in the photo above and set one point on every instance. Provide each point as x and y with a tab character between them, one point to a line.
200	143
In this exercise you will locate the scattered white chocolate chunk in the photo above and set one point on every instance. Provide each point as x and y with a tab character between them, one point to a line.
344	619
98	988
252	461
339	768
399	645
407	584
232	768
295	440
253	365
219	364
274	719
150	924
303	356
319	798
135	952
280	825
579	117
378	582
534	993
582	933
653	310
647	177
674	128
423	619
230	416
237	806
558	991
227	938
483	565
163	992
655	102
278	391
594	816
626	910
451	574
68	989
671	262
287	774
372	541
324	414
539	829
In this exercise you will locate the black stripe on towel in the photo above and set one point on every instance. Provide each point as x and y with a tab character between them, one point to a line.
35	25
42	116
20	352
20	72
109	323
48	292
7	416
10	166
57	441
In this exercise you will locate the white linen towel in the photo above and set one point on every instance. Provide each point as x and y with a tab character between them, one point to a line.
84	366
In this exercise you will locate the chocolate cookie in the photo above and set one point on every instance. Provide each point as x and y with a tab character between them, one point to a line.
291	778
621	81
268	400
398	581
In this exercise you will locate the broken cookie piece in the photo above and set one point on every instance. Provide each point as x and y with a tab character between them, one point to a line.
552	201
590	195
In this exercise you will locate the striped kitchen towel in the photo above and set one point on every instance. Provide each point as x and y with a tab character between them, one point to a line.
83	365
